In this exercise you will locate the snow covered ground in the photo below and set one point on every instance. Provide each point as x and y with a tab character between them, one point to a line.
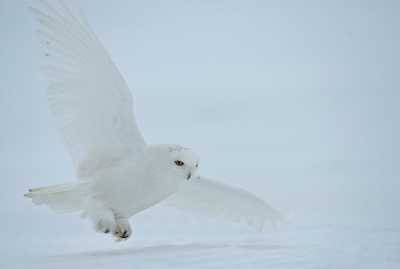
194	242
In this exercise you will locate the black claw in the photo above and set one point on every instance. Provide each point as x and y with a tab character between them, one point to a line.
106	231
124	235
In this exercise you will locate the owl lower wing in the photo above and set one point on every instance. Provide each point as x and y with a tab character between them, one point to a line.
213	198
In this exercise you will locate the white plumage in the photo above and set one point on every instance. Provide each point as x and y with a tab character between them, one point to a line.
118	174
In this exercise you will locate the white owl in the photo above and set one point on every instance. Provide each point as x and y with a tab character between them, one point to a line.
118	174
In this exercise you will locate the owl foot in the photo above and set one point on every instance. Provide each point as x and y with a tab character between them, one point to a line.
105	223
122	230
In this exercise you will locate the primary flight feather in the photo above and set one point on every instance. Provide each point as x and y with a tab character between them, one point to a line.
118	174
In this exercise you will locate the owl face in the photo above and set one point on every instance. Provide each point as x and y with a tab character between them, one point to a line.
184	160
173	163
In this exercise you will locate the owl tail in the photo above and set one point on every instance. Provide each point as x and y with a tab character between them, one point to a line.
61	198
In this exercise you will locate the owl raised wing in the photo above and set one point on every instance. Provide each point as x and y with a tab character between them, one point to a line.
88	98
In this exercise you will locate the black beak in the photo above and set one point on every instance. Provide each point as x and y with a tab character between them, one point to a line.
189	175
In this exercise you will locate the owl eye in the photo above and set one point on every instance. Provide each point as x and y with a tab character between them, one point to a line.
179	163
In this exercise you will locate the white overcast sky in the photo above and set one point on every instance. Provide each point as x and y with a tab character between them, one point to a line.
297	101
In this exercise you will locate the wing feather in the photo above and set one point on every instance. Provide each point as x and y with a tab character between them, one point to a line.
88	98
213	198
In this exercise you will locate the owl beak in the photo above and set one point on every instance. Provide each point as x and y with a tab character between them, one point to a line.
190	173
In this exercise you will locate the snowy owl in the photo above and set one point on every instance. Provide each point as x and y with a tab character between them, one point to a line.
117	173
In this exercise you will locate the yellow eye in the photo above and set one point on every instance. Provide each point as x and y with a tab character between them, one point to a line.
179	163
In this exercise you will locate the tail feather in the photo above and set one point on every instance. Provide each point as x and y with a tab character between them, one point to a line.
60	198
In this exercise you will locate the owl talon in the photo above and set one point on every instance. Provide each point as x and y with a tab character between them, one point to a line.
122	230
105	223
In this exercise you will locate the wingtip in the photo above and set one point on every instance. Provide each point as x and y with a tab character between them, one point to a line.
289	216
257	226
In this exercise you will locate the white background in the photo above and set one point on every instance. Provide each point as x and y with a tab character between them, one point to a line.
296	101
